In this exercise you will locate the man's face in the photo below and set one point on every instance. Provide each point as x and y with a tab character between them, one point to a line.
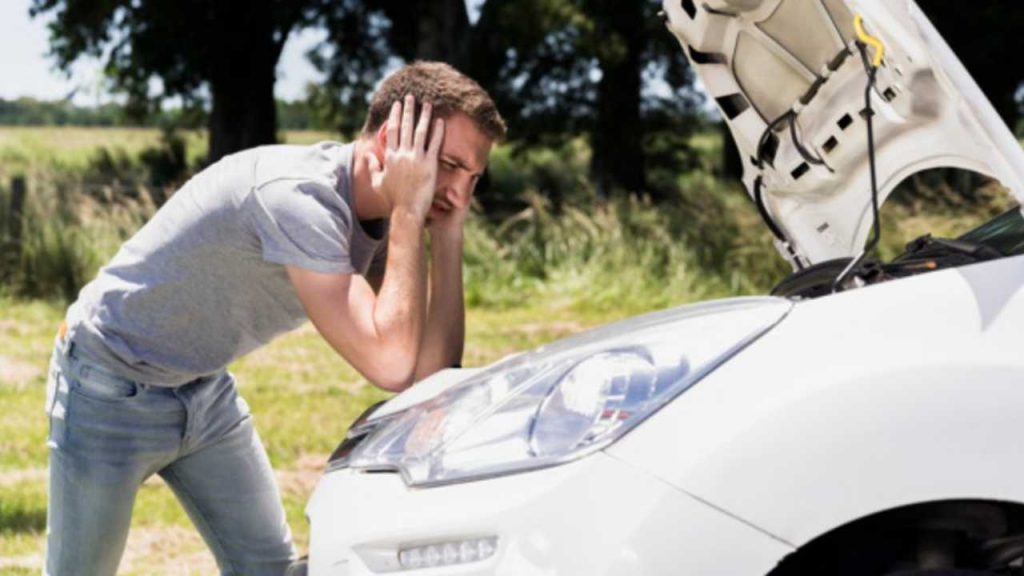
461	162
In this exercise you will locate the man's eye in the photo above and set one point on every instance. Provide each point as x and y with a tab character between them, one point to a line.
448	165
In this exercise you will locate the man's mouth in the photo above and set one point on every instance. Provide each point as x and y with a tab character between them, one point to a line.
441	205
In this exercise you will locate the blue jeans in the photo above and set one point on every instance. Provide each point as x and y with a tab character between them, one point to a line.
108	434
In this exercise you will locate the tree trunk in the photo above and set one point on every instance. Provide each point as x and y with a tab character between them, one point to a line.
617	139
429	29
244	112
443	28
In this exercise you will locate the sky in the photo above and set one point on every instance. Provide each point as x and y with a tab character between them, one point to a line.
25	70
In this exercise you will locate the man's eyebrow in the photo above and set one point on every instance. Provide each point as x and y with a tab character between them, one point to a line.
458	162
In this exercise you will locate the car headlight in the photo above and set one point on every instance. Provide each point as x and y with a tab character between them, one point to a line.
562	401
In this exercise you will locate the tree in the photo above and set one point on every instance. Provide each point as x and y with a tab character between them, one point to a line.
225	51
353	58
556	68
604	68
986	36
429	29
365	36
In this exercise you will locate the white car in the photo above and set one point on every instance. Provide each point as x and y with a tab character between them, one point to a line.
868	419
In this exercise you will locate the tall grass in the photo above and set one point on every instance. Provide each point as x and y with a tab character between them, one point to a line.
67	232
553	239
620	254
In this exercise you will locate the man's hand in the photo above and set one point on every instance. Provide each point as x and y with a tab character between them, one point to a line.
409	174
448	219
381	334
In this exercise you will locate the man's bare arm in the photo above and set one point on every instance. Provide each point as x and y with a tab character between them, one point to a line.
380	334
445	332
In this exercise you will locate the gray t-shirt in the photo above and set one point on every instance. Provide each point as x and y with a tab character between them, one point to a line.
204	282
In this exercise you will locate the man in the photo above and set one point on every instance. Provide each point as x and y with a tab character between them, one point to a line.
249	248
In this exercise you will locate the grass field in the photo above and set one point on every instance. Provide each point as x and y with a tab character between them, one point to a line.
26	147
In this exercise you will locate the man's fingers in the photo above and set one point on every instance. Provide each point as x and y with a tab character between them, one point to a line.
419	141
436	138
408	114
393	119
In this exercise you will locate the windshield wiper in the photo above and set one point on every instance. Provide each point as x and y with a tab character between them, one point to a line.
930	247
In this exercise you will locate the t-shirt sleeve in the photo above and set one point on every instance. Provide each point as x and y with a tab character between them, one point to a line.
303	224
378	265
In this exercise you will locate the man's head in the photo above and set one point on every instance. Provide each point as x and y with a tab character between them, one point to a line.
472	124
448	90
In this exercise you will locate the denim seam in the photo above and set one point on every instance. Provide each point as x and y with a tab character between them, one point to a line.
201	518
55	373
61	537
69	412
186	430
64	430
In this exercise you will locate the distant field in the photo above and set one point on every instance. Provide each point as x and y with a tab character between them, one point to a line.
72	146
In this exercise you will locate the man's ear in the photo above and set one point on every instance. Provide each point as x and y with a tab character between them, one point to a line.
381	138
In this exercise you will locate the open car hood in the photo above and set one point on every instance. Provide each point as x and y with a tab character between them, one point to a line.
762	59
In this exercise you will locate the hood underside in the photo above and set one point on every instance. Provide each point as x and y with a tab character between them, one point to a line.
763	60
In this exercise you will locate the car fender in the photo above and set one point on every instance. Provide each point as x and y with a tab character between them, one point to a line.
900	393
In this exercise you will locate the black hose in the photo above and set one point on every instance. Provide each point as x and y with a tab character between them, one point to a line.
804	153
869	113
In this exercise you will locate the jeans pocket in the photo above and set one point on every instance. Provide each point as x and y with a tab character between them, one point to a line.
95	385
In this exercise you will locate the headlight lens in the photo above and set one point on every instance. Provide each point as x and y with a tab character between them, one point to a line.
560	402
597	396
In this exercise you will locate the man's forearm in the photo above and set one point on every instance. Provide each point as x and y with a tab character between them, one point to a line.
444	335
400	311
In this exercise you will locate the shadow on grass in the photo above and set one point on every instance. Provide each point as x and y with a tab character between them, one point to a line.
19	571
15	519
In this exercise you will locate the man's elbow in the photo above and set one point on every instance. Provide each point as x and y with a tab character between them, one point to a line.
392	384
394	376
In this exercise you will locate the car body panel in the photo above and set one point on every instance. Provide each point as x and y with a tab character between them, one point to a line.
904	392
758	58
594	517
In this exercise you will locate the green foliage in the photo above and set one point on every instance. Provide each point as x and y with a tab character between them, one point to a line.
543	232
303	115
558	173
78	209
68	231
32	112
623	254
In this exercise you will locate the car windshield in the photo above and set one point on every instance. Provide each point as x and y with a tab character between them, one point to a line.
1004	233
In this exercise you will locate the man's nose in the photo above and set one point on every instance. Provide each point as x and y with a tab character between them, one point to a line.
460	190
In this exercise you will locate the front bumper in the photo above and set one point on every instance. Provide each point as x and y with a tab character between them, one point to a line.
592	517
